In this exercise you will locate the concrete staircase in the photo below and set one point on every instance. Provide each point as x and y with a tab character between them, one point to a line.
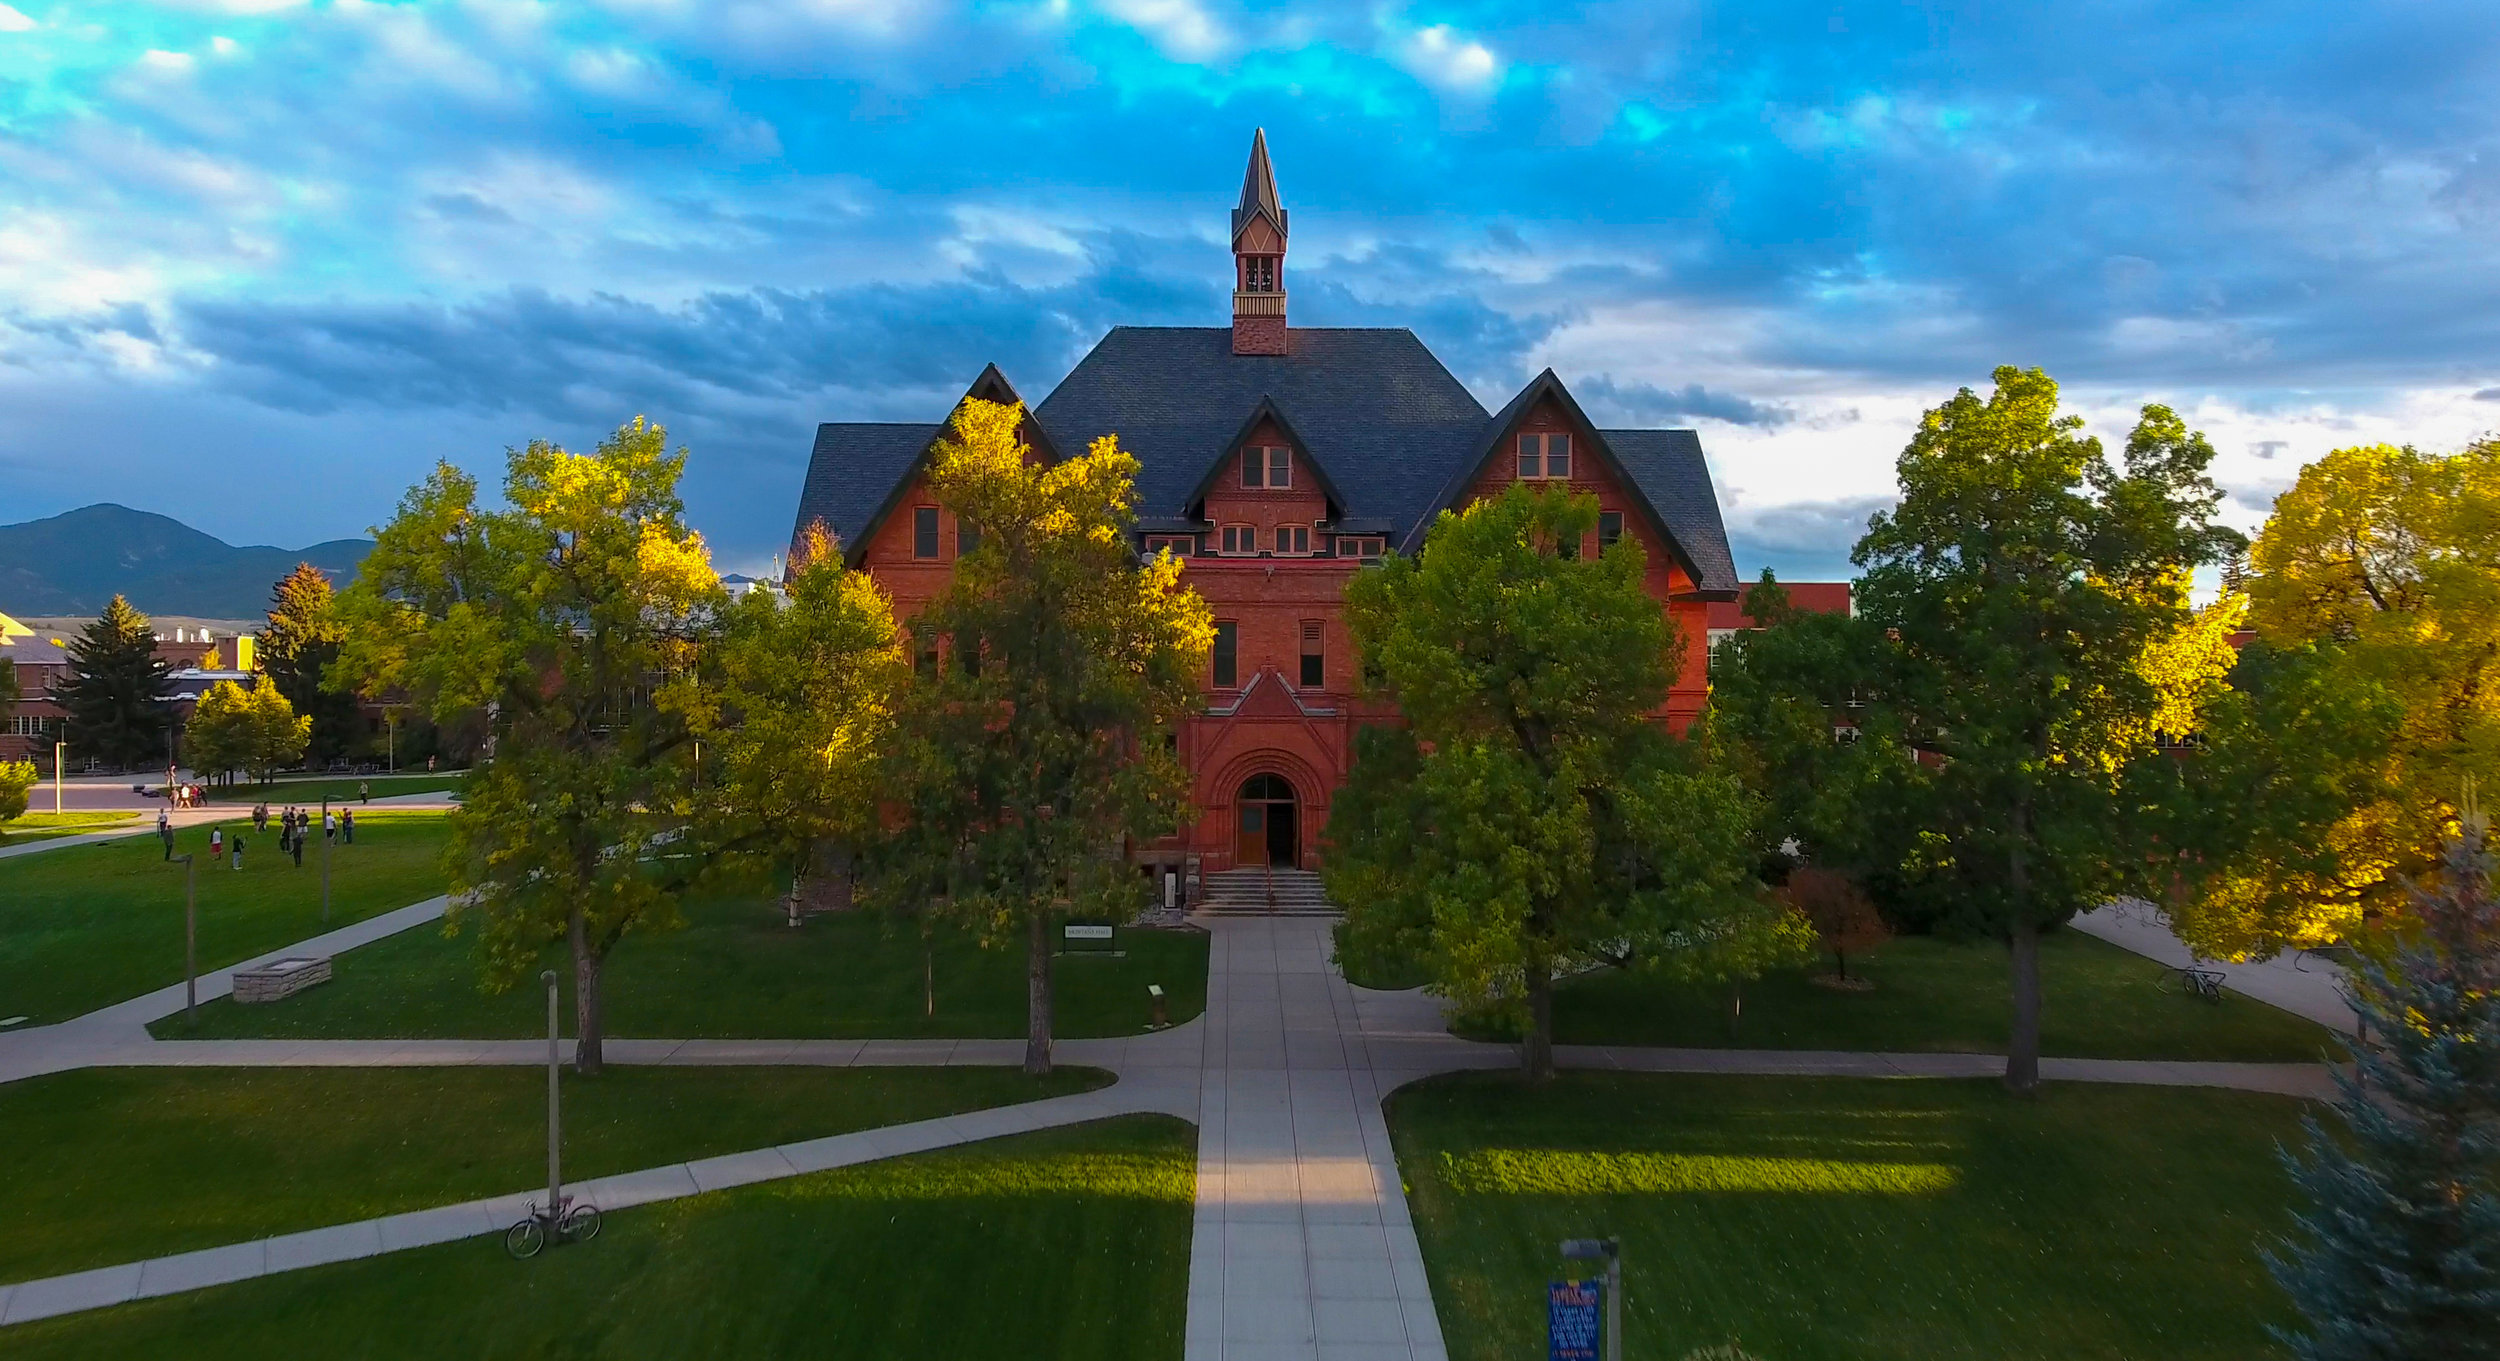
1265	893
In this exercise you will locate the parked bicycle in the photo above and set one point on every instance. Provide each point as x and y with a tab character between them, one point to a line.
572	1221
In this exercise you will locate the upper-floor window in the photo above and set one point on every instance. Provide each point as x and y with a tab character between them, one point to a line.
1258	274
1545	456
967	537
924	531
1268	465
1238	540
1182	545
1365	546
1609	529
1293	539
1224	659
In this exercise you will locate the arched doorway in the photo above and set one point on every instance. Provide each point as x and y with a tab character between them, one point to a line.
1266	828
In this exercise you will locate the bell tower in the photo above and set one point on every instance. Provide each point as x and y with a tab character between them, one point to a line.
1259	259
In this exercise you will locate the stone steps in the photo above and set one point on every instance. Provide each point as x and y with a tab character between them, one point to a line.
1252	893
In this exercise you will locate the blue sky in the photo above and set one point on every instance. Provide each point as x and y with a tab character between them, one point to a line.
262	262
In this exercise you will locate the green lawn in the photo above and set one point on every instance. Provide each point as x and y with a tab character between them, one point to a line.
336	788
87	926
737	970
1067	1244
2098	1001
1823	1219
40	826
113	1165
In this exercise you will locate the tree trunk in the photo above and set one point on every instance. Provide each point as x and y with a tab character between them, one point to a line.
1536	1057
588	1058
928	980
1037	993
1735	1006
2022	1057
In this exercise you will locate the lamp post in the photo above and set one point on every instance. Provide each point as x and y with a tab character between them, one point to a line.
325	857
555	1124
190	940
1609	1251
60	762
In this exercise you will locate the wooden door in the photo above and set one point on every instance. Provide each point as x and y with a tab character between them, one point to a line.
1250	845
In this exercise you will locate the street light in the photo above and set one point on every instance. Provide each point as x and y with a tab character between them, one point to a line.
190	940
1609	1251
60	762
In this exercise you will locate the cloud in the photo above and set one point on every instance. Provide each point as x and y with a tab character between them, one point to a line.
1640	404
1446	59
13	20
2487	394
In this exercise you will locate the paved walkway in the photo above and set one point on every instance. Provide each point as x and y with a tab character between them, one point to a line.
1302	1248
144	823
2313	988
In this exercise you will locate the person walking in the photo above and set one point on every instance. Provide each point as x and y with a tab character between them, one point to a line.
329	826
347	827
165	831
297	847
260	818
364	792
216	844
238	848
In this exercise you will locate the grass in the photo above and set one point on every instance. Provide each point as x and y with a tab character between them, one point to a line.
1824	1219
87	926
113	1165
736	971
338	789
40	826
1931	995
1064	1244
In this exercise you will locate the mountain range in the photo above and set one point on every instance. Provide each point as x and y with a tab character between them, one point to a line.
72	563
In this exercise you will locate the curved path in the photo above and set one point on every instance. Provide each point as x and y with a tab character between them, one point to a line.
1302	1246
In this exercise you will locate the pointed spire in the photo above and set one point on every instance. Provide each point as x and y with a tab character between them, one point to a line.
1258	190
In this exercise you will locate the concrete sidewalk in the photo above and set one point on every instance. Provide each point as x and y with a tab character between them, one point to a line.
2313	988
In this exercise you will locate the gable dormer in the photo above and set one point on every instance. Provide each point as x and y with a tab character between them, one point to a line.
1266	494
909	527
1259	258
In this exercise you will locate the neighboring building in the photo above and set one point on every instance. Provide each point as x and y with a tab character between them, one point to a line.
1728	617
34	723
199	658
1279	461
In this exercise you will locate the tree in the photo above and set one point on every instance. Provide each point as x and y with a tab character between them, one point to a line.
2399	1256
218	738
1533	819
297	646
17	779
573	619
9	693
800	719
2386	562
1038	747
116	689
2016	605
1843	918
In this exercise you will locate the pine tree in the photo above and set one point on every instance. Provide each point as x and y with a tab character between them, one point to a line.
2401	1258
296	649
116	689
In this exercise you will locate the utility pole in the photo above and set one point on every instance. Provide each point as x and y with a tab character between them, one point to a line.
555	1124
190	940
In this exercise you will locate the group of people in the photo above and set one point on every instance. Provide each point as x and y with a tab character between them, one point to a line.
294	831
183	795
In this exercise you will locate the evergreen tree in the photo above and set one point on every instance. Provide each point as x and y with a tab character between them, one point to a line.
116	689
2402	1254
296	648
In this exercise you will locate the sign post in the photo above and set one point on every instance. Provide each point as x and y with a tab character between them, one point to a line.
190	941
1568	1314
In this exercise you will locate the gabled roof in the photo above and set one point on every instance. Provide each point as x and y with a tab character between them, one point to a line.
1258	191
1304	459
859	470
1660	467
1373	405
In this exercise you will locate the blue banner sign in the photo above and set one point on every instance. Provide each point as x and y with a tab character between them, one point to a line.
1571	1320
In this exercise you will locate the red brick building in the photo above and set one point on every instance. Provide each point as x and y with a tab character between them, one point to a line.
1280	461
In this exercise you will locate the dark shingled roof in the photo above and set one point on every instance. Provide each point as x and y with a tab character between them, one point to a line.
1672	473
1395	437
855	467
1379	413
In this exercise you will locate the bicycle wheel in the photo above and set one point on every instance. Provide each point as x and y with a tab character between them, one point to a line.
580	1224
525	1239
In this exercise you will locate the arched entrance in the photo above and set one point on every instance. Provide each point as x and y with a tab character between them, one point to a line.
1267	830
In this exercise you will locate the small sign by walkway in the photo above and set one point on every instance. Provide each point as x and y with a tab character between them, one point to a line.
1571	1312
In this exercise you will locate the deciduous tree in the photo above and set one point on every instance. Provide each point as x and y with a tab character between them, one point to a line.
17	779
1533	818
1038	747
252	730
1844	918
573	619
297	646
116	690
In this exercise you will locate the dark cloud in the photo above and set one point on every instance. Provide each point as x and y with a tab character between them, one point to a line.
2487	394
1641	404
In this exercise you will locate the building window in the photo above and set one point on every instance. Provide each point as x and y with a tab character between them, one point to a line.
1226	656
1314	656
1240	540
1293	539
967	537
1181	545
1368	547
1259	274
967	652
1609	529
1267	465
1544	456
924	531
926	662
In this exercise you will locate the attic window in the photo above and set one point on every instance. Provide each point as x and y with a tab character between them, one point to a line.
1266	465
924	531
1364	546
1609	529
1182	545
1545	456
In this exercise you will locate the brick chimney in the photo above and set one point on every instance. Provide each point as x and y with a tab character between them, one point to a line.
1259	259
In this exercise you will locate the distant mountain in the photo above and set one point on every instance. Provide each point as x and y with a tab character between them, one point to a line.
74	562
